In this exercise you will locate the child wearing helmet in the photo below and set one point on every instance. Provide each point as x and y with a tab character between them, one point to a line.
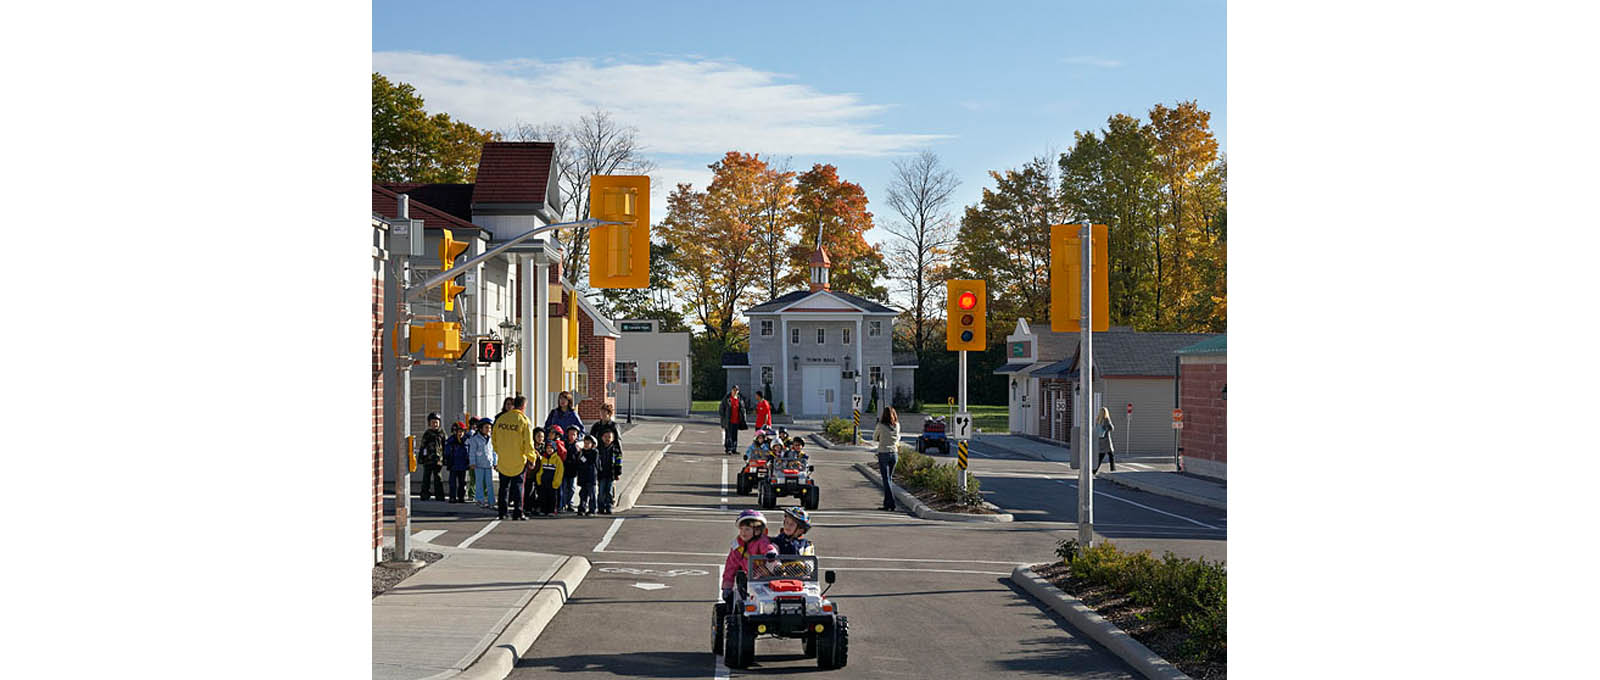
762	445
752	540
790	539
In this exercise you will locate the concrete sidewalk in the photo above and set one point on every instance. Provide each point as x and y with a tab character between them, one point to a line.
1197	490
469	615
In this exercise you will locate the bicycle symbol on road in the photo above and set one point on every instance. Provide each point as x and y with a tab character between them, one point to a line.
654	572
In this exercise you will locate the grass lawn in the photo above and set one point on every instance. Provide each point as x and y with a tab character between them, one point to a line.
993	419
706	406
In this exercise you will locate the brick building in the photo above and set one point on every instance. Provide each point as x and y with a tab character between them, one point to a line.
380	255
597	356
1203	396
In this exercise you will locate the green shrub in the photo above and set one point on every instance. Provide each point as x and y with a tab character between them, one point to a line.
838	429
917	471
1189	594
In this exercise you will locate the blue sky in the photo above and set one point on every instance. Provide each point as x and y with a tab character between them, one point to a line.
986	86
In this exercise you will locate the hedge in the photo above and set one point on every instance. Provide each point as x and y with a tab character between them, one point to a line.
1187	594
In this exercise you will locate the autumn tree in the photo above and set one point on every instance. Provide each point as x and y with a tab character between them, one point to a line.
920	192
1110	179
654	302
715	264
1005	240
408	145
839	210
1184	152
774	222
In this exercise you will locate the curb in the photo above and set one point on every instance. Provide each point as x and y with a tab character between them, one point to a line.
824	443
921	509
1159	490
628	494
1114	639
498	661
672	434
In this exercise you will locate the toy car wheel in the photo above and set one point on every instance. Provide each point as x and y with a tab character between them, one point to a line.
743	484
812	499
717	619
833	645
739	647
811	646
769	496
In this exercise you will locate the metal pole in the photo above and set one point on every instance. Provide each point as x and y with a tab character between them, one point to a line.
1085	442
961	392
447	274
402	487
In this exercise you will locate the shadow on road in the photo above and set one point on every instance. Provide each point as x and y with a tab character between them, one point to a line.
674	664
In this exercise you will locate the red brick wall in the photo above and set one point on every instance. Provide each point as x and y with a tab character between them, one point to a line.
1205	412
377	412
599	354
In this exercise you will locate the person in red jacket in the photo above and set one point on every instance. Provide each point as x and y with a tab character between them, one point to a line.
763	411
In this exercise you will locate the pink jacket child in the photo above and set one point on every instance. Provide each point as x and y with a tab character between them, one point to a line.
752	539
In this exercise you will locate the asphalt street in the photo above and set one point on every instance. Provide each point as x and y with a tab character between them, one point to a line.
924	598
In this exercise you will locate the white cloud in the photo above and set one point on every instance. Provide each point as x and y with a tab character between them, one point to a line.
1091	61
665	180
680	106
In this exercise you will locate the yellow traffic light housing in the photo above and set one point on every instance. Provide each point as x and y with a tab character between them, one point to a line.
437	339
1066	278
449	250
966	315
619	254
572	325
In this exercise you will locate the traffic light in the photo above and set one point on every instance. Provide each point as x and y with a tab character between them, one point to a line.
1066	278
449	250
619	254
572	325
966	327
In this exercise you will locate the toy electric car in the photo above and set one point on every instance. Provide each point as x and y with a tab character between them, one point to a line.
789	477
751	475
933	436
781	598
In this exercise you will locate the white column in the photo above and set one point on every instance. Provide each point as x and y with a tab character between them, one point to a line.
541	284
783	339
530	351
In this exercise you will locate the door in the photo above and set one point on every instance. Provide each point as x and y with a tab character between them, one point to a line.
819	383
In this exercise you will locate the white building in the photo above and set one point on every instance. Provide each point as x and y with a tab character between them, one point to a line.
815	348
653	369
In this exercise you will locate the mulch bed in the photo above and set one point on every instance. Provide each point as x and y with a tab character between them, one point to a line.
934	501
1120	610
384	578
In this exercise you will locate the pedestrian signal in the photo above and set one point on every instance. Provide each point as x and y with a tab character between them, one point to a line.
491	351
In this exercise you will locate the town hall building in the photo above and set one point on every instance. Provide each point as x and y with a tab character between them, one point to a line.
815	348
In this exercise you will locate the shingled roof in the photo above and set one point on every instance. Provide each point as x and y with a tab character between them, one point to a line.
787	299
455	199
1129	354
387	204
514	172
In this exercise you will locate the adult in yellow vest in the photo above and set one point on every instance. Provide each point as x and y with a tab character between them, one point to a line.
513	443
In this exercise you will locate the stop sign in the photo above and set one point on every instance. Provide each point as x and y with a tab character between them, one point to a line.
1177	414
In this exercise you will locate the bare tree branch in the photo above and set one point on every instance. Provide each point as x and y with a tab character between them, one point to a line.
920	192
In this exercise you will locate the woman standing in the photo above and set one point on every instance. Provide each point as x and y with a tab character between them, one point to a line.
887	436
564	414
1103	429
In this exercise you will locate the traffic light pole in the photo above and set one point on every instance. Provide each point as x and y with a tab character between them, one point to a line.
961	394
402	485
1085	442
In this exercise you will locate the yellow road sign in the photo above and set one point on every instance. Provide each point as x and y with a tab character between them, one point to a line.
961	454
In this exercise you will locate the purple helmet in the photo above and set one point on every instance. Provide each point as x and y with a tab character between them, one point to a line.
749	515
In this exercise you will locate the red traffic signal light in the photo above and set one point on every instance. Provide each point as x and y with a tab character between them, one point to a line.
965	322
967	301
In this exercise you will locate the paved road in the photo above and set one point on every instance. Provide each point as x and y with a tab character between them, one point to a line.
925	599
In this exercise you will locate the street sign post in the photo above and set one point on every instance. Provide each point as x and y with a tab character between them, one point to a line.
1085	443
855	408
1127	432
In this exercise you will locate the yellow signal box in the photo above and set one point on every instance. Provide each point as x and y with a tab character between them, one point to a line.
1066	278
619	254
966	309
449	250
572	325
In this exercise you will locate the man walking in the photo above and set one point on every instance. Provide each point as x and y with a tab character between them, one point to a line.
430	453
733	420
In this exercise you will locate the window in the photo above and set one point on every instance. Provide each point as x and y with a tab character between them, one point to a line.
766	326
822	335
874	375
766	375
794	336
874	329
427	396
583	381
624	372
499	297
668	372
845	335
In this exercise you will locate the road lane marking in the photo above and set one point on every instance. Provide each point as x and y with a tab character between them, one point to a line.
831	557
896	517
724	483
719	669
606	540
481	532
1155	510
719	576
427	535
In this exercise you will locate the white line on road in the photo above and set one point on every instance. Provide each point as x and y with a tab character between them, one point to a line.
831	557
606	540
720	666
719	576
724	483
481	532
1142	505
897	517
427	535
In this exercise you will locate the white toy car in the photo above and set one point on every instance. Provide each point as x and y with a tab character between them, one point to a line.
781	598
789	476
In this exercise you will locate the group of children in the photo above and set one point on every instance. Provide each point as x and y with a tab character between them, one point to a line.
565	458
776	445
